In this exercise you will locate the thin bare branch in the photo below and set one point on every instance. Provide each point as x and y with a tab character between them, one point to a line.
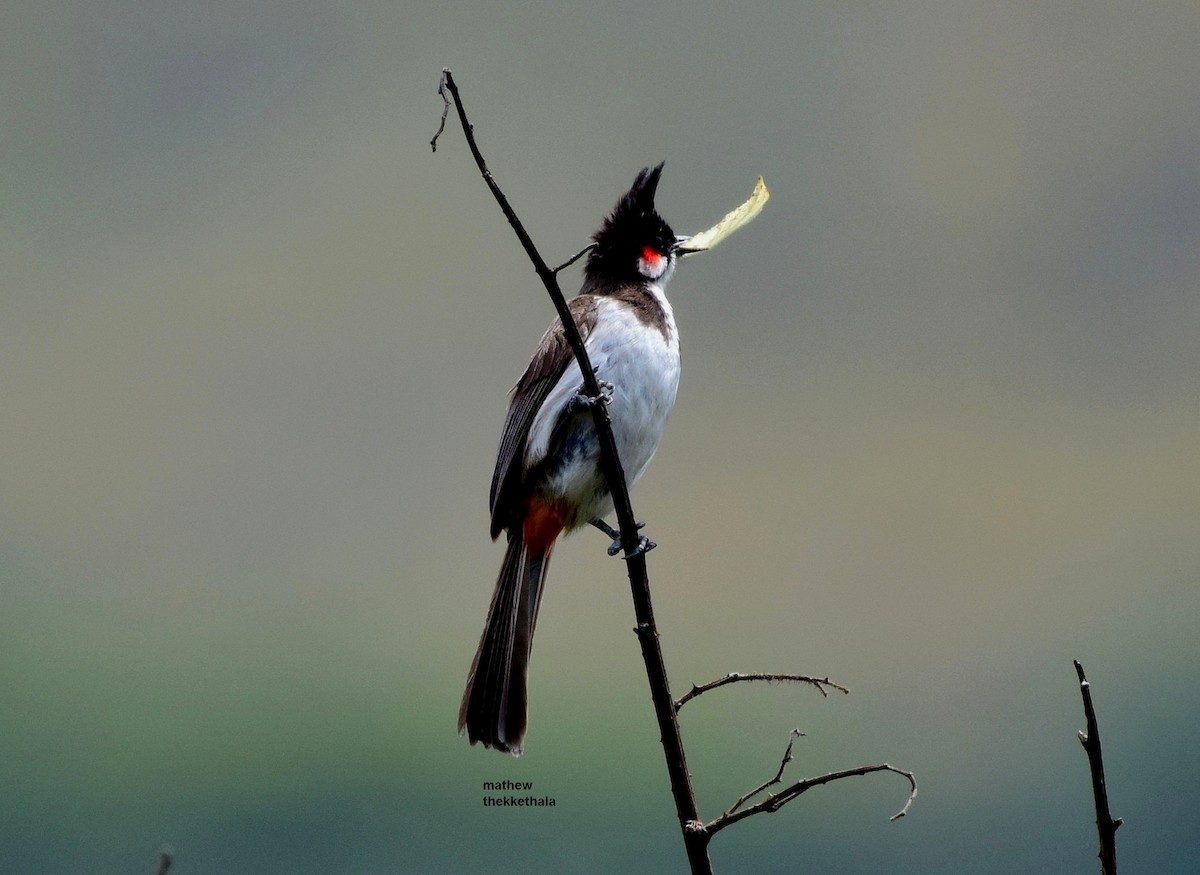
734	677
1106	825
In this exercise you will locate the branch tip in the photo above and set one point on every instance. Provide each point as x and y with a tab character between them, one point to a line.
1106	825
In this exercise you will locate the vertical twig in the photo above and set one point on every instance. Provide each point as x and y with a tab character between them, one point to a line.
1106	825
695	837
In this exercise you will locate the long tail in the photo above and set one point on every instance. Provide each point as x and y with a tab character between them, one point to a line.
493	707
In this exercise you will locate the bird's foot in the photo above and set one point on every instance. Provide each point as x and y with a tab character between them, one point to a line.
583	401
645	545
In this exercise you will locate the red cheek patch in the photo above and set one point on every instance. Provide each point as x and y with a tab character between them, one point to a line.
652	256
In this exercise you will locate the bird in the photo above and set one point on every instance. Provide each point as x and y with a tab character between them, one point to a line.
548	479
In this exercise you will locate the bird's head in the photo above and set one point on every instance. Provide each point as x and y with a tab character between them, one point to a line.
635	244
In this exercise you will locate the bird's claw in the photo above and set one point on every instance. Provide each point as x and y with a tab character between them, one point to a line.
644	544
583	401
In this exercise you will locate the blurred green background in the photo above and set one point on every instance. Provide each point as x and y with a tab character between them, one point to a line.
938	431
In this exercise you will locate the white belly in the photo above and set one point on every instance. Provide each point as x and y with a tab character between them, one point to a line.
643	366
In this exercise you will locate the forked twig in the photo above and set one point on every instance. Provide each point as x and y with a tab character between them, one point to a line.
775	801
734	677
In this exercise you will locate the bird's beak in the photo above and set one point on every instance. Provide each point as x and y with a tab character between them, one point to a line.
681	247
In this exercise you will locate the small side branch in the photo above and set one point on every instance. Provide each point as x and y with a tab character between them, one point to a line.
822	685
574	258
787	758
775	801
1106	825
445	108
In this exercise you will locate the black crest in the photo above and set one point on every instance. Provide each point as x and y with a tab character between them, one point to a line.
633	224
639	200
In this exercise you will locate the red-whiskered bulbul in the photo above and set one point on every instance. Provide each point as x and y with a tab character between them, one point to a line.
548	478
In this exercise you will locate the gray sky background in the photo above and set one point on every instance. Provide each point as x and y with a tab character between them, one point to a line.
938	431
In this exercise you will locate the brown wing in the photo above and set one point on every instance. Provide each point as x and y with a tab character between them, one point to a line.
549	363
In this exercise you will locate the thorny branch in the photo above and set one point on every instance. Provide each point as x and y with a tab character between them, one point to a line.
733	677
1106	825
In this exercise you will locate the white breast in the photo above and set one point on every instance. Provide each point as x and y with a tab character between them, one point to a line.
642	363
